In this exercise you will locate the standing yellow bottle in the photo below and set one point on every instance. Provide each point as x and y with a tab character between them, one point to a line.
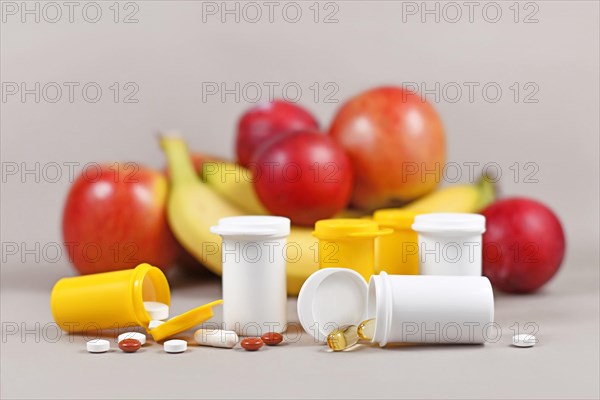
397	254
348	243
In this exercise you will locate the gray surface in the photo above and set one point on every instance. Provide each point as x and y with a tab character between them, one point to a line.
565	364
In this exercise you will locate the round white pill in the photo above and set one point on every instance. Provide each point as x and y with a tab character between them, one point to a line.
216	338
157	311
175	346
153	324
132	335
524	340
98	346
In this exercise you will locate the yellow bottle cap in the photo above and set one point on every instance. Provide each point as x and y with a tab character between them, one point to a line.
346	228
396	218
183	322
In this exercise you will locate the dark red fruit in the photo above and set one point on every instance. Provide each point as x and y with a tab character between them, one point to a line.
523	245
265	121
305	176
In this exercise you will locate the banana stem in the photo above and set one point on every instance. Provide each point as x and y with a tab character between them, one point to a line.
487	192
180	163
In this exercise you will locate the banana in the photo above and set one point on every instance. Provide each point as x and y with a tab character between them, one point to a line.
193	207
234	183
456	199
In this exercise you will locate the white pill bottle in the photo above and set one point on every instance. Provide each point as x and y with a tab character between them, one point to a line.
431	309
399	308
450	243
253	252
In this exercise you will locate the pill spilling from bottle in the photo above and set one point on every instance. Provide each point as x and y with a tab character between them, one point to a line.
343	338
252	343
132	335
272	338
157	311
175	346
349	335
524	340
366	329
98	346
154	323
130	345
216	338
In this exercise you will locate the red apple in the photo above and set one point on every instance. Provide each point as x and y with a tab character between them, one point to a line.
523	245
305	176
115	218
265	121
395	140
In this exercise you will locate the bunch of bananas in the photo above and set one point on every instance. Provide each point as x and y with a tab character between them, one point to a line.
197	202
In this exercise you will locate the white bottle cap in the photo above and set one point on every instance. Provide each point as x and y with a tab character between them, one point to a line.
132	335
97	346
330	298
157	311
175	346
253	225
449	223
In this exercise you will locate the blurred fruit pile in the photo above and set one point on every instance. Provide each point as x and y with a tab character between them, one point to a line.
120	215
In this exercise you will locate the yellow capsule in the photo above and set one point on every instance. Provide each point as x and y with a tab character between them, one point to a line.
366	329
343	338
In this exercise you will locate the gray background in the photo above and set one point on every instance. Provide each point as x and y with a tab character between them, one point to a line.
174	51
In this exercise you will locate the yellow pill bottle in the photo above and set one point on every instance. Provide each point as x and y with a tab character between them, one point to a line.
348	243
115	300
397	254
109	300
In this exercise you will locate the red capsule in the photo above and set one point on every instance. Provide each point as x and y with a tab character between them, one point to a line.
130	345
272	338
252	343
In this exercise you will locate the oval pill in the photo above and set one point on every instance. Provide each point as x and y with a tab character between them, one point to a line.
524	340
157	311
272	338
175	346
252	343
130	345
132	335
97	346
216	338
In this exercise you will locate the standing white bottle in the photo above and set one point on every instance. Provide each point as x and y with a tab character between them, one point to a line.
254	276
450	243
